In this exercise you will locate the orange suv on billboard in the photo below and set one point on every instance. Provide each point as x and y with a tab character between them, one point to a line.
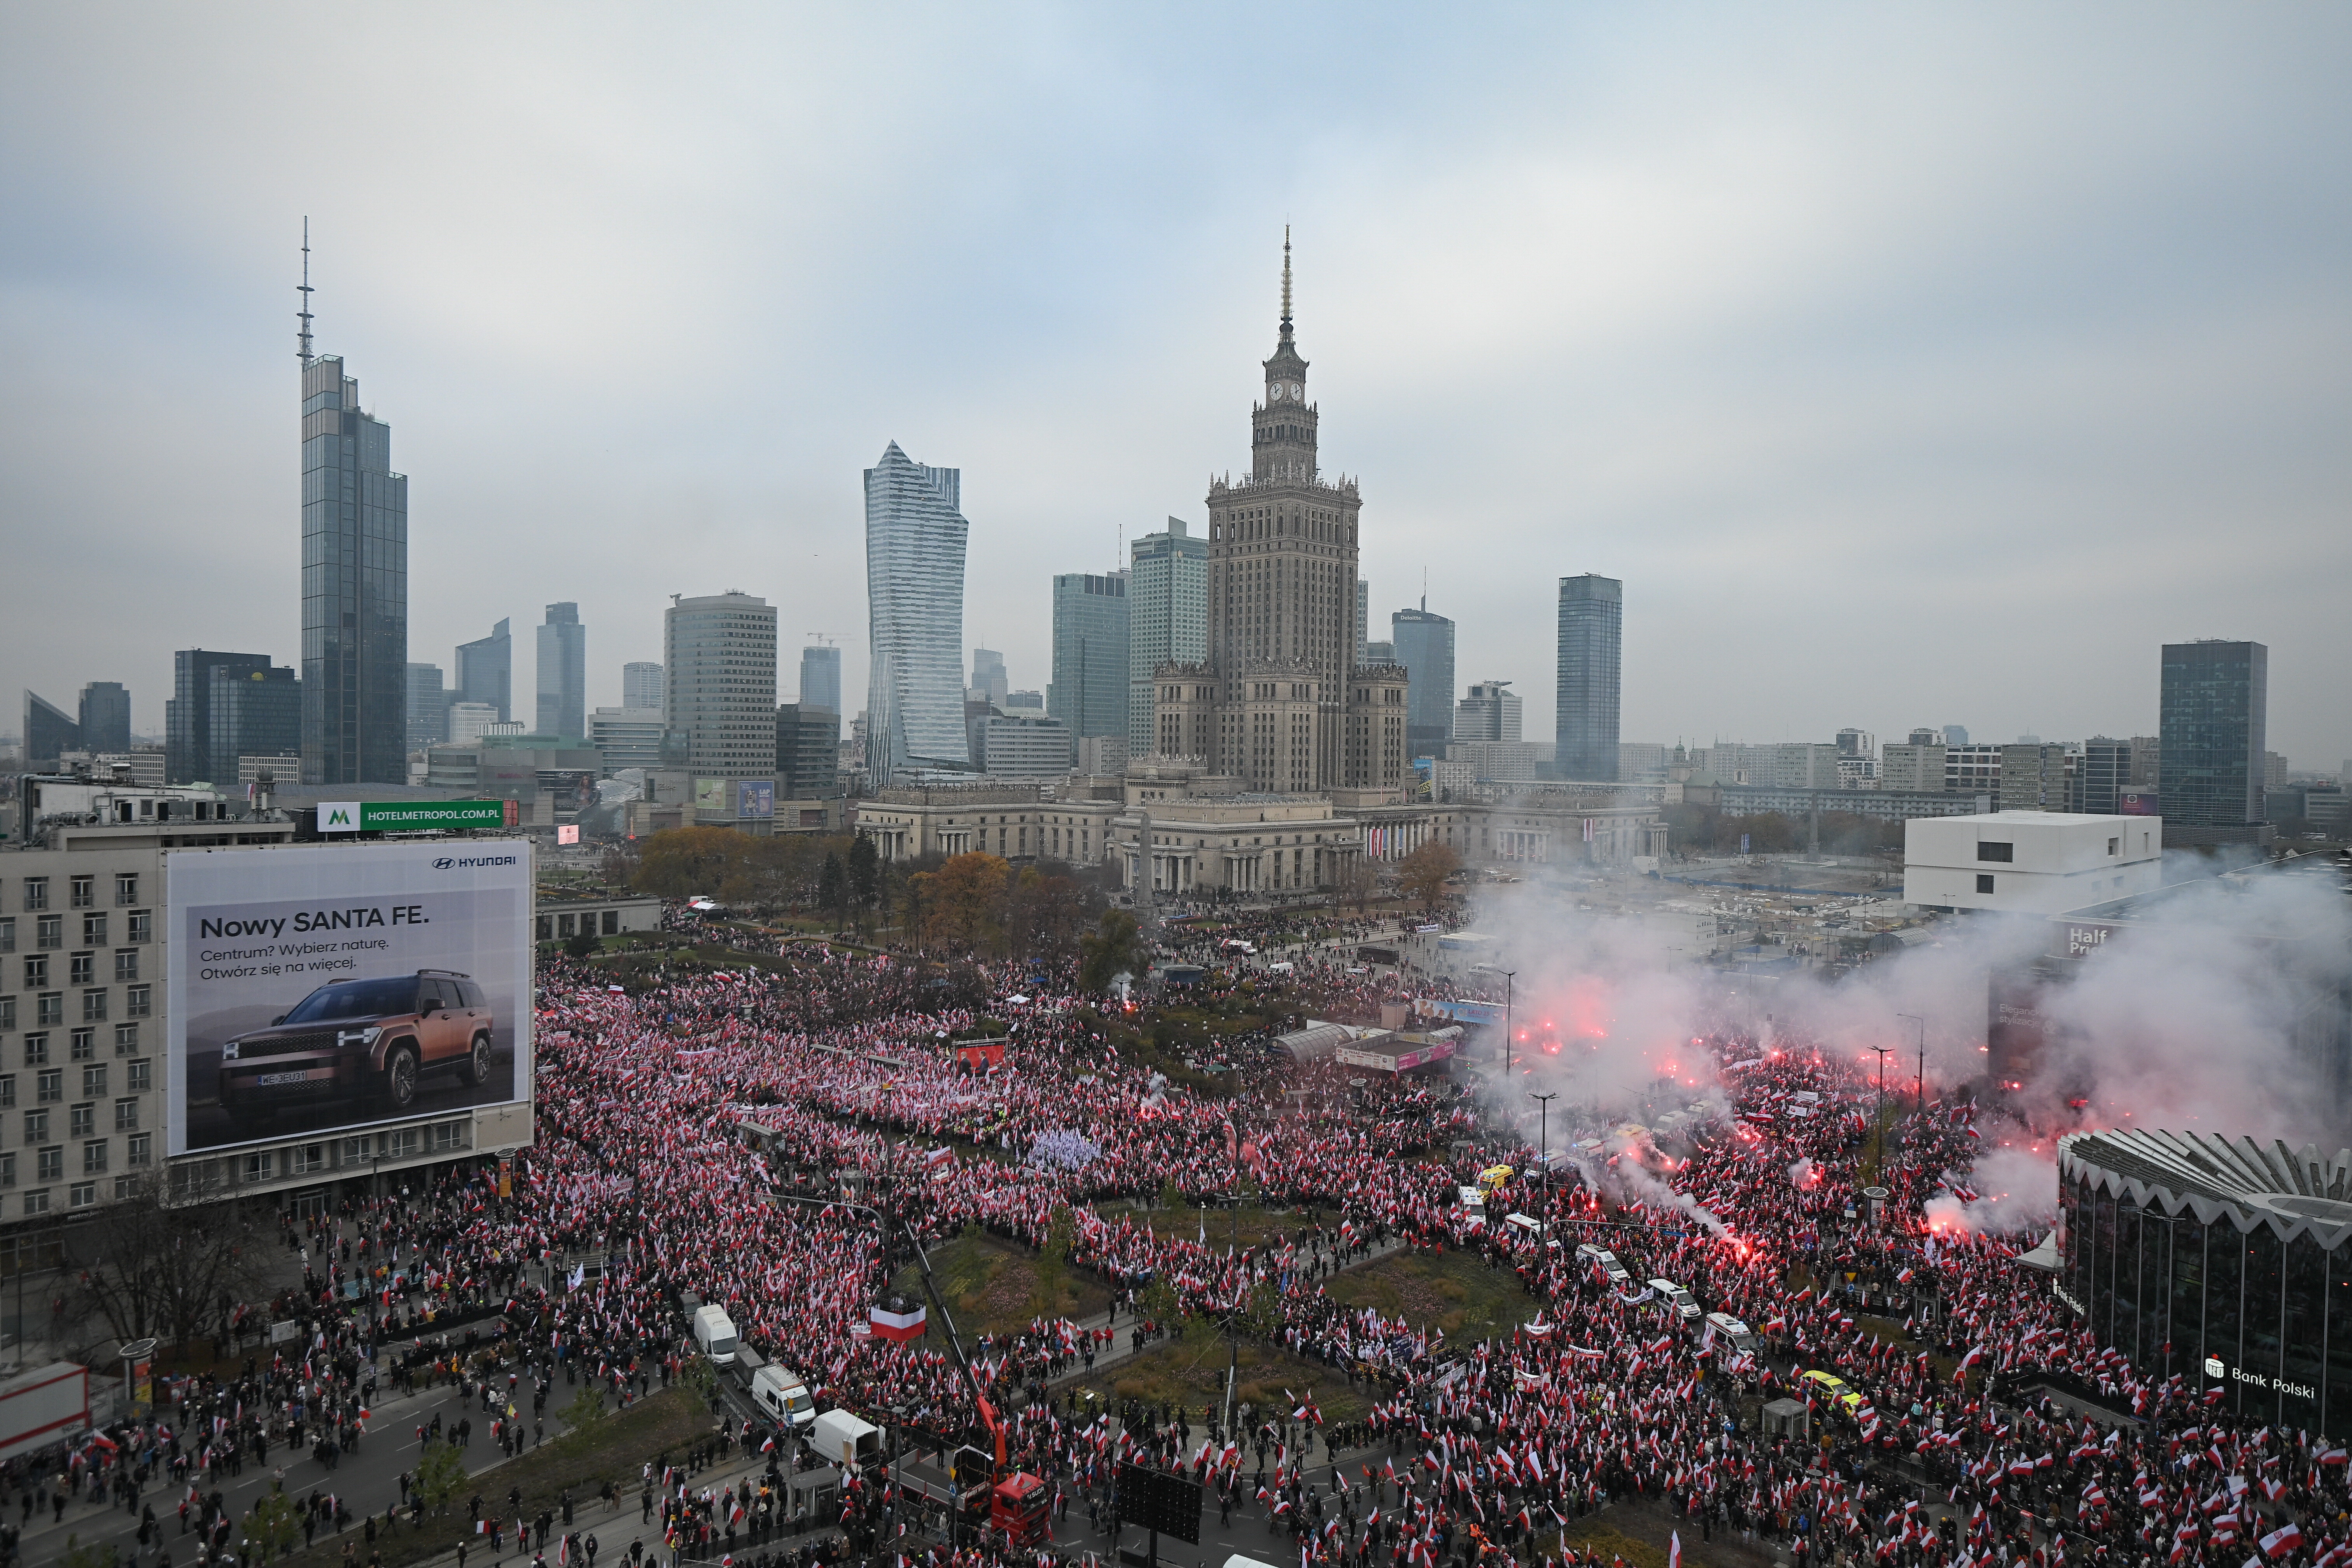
357	1042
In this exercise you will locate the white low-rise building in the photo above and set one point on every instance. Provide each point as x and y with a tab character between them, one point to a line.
2030	862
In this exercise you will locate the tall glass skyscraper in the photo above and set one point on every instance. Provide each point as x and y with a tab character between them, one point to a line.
2214	710
1424	646
1088	691
1591	633
641	684
915	539
253	713
486	672
188	714
105	717
562	673
355	586
820	682
1167	618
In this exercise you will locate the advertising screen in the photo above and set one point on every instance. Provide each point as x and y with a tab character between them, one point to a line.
319	990
755	797
710	794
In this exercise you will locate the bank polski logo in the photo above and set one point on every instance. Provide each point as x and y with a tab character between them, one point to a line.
2213	1367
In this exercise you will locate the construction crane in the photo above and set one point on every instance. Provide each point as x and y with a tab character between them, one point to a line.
1017	1502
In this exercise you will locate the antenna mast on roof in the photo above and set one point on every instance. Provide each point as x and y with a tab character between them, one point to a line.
303	315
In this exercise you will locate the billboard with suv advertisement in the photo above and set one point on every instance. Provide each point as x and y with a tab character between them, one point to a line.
323	989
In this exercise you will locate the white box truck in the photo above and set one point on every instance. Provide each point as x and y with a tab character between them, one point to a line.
840	1438
785	1398
43	1407
714	1332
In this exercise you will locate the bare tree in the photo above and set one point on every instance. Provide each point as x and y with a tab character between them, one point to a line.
151	1267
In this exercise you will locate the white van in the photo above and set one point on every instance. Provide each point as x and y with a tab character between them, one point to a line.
1724	1326
714	1332
837	1438
1473	1205
783	1397
1684	1304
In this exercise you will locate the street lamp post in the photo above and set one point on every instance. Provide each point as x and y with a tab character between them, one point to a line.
1915	1019
1879	1120
1543	1134
1508	975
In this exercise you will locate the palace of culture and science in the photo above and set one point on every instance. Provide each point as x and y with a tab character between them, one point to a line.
1279	762
1280	703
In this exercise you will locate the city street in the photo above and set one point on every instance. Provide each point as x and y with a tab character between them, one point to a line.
367	1482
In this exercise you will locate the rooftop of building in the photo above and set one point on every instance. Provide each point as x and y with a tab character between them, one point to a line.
2192	1172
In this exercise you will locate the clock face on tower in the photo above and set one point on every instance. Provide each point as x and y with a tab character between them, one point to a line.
1274	392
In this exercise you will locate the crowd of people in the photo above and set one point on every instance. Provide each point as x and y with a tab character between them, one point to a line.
679	1120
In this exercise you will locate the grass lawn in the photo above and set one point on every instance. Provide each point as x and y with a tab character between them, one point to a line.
615	1448
1249	1224
1194	1374
992	1288
1454	1291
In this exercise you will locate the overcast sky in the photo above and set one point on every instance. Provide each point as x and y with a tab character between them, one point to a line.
1911	366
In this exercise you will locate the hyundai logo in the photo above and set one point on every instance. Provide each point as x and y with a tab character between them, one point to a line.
444	863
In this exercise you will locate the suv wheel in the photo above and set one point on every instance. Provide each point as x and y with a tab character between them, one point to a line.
400	1077
476	1068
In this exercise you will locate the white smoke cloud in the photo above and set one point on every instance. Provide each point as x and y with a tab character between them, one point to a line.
2187	1020
2016	1187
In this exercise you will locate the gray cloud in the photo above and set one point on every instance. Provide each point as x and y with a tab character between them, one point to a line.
1911	368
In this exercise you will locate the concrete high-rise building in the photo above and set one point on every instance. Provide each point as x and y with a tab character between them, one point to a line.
105	717
1424	646
354	584
821	679
1494	712
2034	776
49	731
1913	766
915	540
1384	652
1955	734
188	755
427	707
2214	710
562	674
1088	691
1925	736
486	672
988	676
1591	639
469	722
627	737
2146	763
1167	617
1281	702
719	659
1364	621
641	684
1026	745
252	713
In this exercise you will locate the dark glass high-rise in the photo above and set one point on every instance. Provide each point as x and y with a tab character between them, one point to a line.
354	587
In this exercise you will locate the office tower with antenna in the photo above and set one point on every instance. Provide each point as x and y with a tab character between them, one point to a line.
354	577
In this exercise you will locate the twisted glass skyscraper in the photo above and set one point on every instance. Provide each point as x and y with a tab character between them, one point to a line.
915	539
